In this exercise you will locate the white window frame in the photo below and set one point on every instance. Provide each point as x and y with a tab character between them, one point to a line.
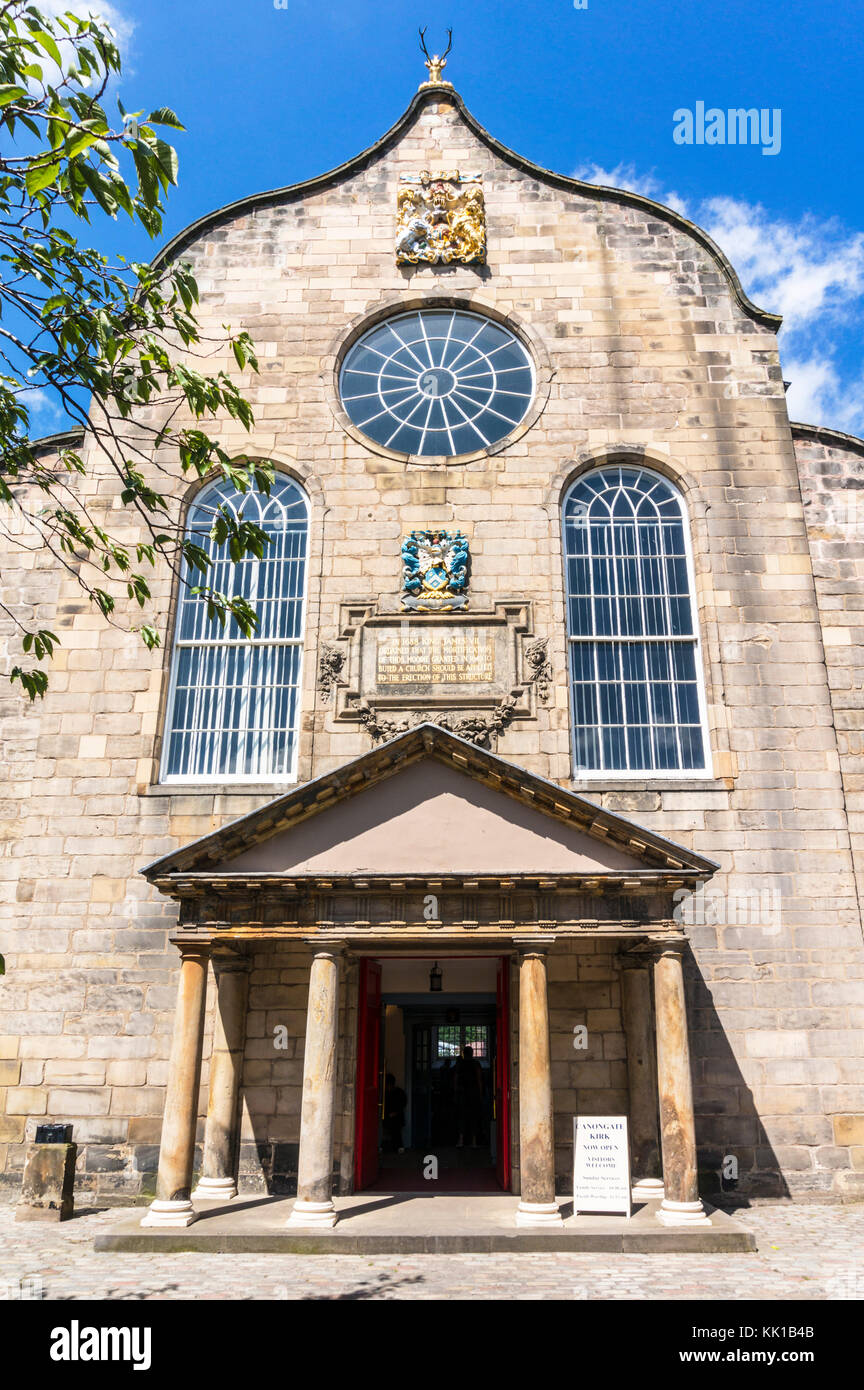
645	774
197	779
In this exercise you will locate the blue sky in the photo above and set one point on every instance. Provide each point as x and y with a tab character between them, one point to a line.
273	95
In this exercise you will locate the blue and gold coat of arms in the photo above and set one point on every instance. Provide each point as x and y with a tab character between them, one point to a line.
435	571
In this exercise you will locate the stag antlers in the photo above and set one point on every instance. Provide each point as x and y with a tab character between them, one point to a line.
434	63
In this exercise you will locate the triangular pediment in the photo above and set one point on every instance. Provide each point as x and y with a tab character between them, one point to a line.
432	819
428	804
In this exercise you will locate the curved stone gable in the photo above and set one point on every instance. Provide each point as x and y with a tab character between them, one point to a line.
406	129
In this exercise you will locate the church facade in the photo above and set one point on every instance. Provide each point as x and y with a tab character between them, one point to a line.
547	746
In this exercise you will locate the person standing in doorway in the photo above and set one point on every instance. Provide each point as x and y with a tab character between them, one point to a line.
468	1085
395	1101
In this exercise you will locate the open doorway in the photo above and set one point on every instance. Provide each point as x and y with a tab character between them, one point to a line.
433	1084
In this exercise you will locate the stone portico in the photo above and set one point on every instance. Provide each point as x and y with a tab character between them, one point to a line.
428	843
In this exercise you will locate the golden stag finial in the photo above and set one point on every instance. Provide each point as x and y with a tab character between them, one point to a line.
434	63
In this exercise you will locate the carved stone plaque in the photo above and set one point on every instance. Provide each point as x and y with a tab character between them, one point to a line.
469	672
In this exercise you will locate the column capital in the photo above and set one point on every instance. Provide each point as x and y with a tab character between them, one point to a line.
327	946
675	946
533	945
226	960
636	958
194	950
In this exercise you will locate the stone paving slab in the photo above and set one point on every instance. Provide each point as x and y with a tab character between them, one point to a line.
413	1224
805	1253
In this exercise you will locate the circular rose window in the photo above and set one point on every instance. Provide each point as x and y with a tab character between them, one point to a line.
438	381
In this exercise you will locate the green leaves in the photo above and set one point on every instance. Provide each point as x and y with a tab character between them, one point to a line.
35	682
10	91
48	45
244	352
165	116
77	153
40	643
241	537
104	334
41	175
221	607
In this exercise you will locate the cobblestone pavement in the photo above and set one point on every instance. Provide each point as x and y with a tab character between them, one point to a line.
805	1252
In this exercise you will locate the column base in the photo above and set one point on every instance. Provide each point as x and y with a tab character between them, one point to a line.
647	1190
538	1214
313	1215
178	1213
682	1213
215	1190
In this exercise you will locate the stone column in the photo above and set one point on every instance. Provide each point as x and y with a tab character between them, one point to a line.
173	1206
314	1205
536	1137
218	1181
641	1079
681	1205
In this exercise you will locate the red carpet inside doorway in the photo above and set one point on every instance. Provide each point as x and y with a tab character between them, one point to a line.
459	1170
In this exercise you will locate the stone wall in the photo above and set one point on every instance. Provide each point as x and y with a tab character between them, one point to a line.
831	467
649	353
584	988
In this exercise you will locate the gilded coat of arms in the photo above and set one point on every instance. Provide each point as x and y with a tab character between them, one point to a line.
441	219
435	571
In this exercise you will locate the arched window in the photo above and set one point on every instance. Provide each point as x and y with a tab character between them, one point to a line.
637	701
234	705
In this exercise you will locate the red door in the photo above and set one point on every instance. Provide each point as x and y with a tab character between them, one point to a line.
368	1063
502	1073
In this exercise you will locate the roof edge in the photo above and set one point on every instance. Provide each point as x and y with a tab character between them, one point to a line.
823	434
351	166
61	440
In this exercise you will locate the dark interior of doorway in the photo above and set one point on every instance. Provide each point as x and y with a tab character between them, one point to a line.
444	1139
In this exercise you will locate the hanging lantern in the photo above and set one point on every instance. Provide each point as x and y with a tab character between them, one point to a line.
435	978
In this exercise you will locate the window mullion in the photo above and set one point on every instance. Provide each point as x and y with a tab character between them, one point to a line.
197	710
218	742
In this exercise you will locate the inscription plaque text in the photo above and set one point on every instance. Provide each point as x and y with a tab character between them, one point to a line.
436	658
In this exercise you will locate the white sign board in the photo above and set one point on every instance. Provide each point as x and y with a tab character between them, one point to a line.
601	1163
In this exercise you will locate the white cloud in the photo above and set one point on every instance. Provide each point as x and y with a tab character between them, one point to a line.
626	176
814	385
811	271
46	412
122	25
802	270
820	395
